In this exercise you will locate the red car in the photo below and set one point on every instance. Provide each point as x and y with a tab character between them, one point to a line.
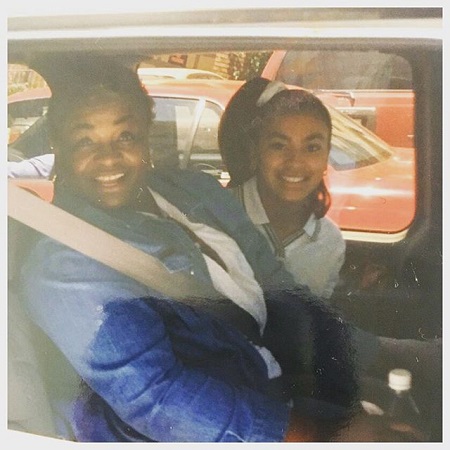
371	183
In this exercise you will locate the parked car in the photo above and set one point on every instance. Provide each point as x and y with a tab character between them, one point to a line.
372	184
24	108
377	90
391	283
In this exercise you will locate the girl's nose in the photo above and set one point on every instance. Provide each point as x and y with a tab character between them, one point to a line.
296	157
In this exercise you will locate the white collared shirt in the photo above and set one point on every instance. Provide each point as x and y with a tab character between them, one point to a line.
313	255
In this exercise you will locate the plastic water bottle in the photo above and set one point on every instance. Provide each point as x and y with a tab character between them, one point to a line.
403	409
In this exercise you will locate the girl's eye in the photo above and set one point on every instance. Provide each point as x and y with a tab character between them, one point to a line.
314	147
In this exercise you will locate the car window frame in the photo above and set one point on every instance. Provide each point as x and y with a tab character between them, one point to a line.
328	36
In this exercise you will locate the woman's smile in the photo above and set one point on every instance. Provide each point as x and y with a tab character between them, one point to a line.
108	179
110	182
108	142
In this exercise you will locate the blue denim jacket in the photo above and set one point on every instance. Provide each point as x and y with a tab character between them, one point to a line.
154	369
169	372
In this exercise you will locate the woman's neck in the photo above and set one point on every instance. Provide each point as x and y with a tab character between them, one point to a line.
145	202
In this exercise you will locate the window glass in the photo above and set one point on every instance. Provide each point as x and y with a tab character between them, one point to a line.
205	153
27	99
372	87
169	134
371	173
339	70
352	146
205	139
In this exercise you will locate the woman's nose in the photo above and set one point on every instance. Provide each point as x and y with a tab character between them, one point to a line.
107	154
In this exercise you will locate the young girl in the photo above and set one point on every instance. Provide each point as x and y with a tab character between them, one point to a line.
275	143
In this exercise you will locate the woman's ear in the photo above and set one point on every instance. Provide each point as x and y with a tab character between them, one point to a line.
254	157
59	166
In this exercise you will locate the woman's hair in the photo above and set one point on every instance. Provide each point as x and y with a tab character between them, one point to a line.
77	79
244	119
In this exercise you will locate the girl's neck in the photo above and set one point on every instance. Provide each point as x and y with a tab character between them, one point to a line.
286	218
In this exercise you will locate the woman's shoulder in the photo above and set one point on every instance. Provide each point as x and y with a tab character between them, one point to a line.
193	177
195	184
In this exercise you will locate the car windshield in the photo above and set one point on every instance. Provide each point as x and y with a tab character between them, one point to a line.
353	146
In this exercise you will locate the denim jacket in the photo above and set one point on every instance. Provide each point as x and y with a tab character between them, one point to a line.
141	367
153	369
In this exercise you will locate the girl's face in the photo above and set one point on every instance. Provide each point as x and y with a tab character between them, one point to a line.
105	148
292	158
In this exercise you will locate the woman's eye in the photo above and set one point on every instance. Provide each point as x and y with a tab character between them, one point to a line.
82	144
127	137
277	145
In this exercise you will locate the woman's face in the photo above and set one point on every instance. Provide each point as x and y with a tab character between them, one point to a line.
105	151
291	158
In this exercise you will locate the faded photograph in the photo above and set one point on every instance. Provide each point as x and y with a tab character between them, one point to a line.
225	225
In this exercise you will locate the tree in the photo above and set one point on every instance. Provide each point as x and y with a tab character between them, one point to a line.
246	65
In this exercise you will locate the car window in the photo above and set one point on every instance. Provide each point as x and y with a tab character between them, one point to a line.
372	182
21	77
376	91
205	139
352	146
337	70
23	112
205	153
171	130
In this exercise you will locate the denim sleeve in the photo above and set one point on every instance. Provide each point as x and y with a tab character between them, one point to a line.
120	346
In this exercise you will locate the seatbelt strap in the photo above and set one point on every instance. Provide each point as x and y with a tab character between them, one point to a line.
91	241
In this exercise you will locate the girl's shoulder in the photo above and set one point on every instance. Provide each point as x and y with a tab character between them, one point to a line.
330	230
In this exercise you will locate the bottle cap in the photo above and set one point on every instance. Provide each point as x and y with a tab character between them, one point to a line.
400	379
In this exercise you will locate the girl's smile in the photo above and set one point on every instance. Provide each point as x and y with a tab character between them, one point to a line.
292	158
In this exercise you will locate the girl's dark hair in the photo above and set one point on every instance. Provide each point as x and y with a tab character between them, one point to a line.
76	79
242	122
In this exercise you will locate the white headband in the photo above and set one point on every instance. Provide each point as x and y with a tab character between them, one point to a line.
271	89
